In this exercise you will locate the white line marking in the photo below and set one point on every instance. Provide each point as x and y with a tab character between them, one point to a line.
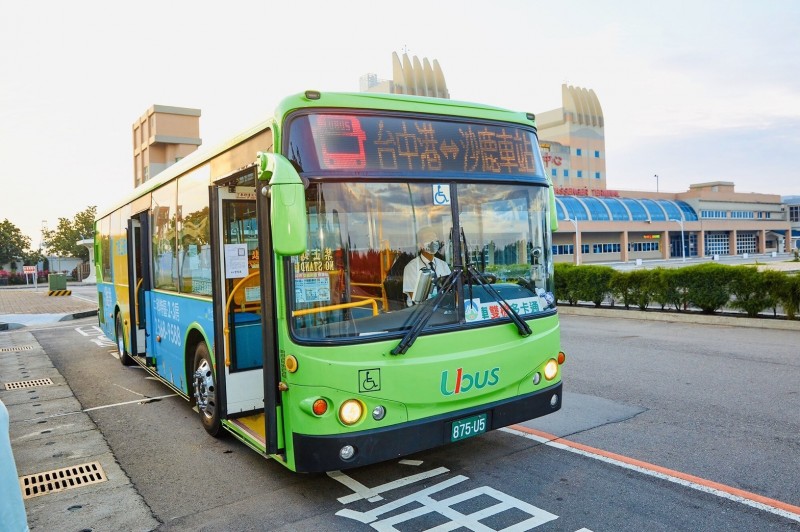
657	474
373	494
444	508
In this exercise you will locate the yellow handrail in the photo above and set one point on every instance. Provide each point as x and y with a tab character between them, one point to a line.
305	311
136	300
226	326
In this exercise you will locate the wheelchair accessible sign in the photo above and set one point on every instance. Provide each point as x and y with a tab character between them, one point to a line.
441	194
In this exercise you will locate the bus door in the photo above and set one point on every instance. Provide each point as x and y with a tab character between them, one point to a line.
138	282
239	307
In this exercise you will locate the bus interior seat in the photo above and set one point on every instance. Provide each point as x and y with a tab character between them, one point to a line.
393	284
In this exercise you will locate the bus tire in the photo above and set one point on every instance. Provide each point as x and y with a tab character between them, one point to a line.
124	357
205	390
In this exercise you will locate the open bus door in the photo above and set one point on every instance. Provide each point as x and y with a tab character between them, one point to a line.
244	317
138	281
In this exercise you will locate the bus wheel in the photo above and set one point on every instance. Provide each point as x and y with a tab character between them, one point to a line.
205	390
124	357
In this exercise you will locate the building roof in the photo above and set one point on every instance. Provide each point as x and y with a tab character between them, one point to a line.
622	209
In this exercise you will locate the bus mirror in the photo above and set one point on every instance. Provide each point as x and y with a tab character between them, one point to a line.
287	204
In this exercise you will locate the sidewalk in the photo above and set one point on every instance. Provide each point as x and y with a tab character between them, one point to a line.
29	306
52	437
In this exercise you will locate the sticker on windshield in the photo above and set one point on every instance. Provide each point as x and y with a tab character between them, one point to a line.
441	194
474	310
312	287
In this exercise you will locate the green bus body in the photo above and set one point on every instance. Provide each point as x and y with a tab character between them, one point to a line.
262	279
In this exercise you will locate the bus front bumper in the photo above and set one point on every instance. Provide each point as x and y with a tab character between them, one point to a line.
322	453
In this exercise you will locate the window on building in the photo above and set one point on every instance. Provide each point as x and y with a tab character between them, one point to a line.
606	248
578	152
566	173
580	173
597	175
554	172
742	214
717	244
794	213
745	243
709	214
643	246
564	249
596	154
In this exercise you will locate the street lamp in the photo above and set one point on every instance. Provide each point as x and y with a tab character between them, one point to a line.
577	240
656	176
683	246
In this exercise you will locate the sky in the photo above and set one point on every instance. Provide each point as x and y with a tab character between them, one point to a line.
691	91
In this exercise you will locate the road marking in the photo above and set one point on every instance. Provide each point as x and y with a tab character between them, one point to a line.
360	491
135	401
754	500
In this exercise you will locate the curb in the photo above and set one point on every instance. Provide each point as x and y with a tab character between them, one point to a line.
79	315
681	317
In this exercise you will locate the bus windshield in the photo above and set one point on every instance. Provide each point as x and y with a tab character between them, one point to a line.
371	242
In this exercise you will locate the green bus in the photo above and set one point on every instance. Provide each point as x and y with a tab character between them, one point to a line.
267	280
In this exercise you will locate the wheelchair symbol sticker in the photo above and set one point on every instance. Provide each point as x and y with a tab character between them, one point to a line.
369	380
441	194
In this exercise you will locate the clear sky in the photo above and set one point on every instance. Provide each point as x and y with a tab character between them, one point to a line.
693	91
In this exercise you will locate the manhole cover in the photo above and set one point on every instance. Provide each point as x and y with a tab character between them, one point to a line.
28	384
61	479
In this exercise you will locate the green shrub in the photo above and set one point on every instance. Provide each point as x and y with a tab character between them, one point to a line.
790	298
776	283
749	289
593	283
564	277
707	286
620	288
640	287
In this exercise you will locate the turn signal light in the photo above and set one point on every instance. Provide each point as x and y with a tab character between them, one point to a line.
320	406
561	357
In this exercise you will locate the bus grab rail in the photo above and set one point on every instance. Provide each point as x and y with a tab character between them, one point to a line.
328	308
136	299
225	320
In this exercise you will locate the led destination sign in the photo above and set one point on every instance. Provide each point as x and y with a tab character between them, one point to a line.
393	144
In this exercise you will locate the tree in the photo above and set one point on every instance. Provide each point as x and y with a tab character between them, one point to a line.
62	240
13	244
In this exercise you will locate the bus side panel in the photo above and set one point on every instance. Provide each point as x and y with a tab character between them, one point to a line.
107	302
168	318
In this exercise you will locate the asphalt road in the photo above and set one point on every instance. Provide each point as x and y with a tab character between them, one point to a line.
719	403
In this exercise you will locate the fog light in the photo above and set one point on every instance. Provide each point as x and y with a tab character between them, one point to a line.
291	364
347	452
350	411
554	400
551	369
537	378
378	413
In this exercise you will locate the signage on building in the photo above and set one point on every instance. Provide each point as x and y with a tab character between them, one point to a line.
569	191
655	236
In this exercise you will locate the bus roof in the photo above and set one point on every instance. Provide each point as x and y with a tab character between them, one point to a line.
312	99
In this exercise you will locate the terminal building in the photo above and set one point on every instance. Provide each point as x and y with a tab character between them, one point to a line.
598	224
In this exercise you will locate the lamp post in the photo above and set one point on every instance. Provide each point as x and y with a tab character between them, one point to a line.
683	246
577	240
656	176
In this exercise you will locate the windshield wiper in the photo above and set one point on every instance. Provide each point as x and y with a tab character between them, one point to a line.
418	325
473	273
522	325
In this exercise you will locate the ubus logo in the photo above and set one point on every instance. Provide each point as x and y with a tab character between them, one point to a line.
465	382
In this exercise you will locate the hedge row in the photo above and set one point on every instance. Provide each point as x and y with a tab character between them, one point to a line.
708	287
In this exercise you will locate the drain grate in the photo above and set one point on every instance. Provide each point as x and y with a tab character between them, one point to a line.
62	479
28	384
16	348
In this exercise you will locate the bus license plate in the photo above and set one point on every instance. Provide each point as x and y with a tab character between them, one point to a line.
470	426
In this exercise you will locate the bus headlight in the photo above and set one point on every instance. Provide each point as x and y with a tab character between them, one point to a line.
551	369
350	412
